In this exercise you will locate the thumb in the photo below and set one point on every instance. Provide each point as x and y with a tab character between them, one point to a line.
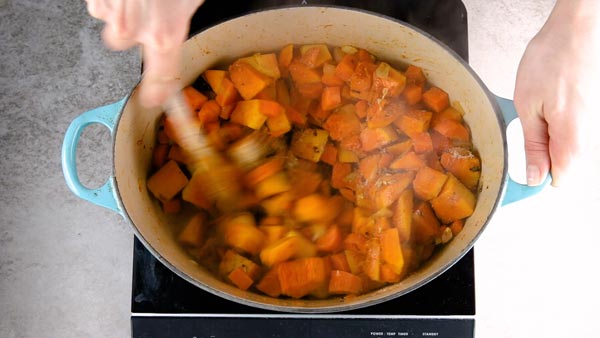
535	132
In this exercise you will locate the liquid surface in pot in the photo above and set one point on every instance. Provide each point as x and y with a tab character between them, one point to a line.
369	168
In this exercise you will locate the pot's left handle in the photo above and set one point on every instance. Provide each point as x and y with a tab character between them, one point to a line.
516	191
105	195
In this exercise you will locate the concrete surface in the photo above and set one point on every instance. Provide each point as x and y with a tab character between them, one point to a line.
65	265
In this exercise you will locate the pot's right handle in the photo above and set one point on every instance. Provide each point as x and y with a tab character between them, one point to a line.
104	196
516	191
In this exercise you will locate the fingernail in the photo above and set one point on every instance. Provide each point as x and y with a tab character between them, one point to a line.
533	175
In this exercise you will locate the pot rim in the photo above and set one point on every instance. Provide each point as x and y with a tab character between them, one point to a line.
366	299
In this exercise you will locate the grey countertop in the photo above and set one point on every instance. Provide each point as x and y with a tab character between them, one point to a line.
65	264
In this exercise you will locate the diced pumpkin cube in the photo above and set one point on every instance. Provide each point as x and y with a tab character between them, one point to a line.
436	99
228	94
329	155
300	277
273	185
331	98
160	155
342	282
388	81
422	143
279	204
309	143
428	183
329	78
413	94
414	75
285	57
391	251
388	188
414	122
362	78
372	264
315	55
273	232
214	78
457	226
279	124
305	182
314	208
240	278
172	206
167	181
425	225
345	67
331	241
408	161
195	192
339	262
388	274
339	175
294	245
242	233
402	217
269	284
265	170
355	260
266	64
248	113
463	164
343	123
247	80
194	230
454	202
194	98
303	74
373	139
453	130
232	260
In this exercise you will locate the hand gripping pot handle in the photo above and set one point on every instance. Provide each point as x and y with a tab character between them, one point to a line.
105	195
516	191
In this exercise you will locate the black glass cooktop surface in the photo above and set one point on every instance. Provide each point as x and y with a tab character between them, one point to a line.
165	305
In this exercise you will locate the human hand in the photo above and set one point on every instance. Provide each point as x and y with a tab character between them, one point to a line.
557	89
160	27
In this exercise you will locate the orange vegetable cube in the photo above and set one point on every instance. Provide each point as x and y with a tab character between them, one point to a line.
294	245
373	139
240	278
414	122
408	161
389	187
315	55
402	217
356	261
463	164
331	241
428	183
391	251
329	78
309	143
232	260
273	232
209	112
413	94
248	113
273	185
422	143
436	99
342	282
279	204
300	277
454	202
247	80
214	78
242	233
425	225
343	123
167	181
269	284
414	75
172	206
228	94
331	98
302	74
194	98
194	230
286	54
266	64
160	155
339	262
195	192
314	208
372	264
453	130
